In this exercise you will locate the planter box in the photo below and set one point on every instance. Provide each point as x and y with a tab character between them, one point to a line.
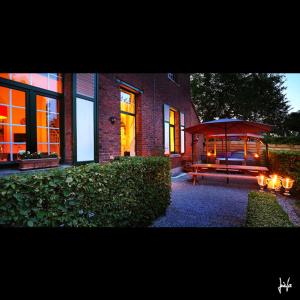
29	164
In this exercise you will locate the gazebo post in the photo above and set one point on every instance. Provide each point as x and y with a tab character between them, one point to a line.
267	153
222	145
245	149
206	148
258	148
215	148
192	148
226	157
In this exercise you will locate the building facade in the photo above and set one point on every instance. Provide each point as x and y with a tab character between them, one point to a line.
92	117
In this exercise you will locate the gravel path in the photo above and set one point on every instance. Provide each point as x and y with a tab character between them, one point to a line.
211	203
289	207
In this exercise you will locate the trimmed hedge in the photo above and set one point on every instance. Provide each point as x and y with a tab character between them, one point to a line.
288	140
264	211
286	163
128	192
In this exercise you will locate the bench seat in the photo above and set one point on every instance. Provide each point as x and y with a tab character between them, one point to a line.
196	174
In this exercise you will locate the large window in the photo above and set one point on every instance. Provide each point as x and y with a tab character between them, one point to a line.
127	123
174	135
172	131
29	114
47	81
12	123
48	127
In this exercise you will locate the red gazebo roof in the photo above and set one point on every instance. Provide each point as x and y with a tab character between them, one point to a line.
232	126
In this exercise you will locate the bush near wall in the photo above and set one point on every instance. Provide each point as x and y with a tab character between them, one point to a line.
129	192
286	163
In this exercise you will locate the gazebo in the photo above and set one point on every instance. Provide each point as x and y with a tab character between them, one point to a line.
226	128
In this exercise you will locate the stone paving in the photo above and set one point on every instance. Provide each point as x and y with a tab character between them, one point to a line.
288	205
211	203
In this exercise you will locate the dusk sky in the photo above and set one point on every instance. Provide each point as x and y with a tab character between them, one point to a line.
293	90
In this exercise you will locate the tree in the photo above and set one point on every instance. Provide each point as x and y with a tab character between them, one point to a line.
250	96
292	123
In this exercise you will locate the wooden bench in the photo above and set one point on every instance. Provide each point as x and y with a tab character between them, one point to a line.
227	176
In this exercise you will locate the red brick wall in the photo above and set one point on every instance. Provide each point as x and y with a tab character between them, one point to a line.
157	90
68	137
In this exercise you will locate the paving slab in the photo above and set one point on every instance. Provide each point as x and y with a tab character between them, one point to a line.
210	203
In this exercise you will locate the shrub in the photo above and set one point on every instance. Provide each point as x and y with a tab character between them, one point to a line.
286	163
128	192
288	140
264	211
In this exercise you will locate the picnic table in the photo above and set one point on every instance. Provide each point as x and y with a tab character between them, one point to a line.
200	169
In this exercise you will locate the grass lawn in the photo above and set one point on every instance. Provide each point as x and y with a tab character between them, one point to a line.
264	211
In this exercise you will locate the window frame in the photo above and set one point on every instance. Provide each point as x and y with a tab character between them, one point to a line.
172	126
30	112
127	91
95	100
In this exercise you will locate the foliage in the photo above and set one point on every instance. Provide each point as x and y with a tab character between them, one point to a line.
129	192
264	211
292	122
250	96
286	163
287	140
35	155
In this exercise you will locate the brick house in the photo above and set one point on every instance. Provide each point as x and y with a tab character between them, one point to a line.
87	117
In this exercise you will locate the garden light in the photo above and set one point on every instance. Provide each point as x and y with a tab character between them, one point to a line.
262	181
274	183
287	183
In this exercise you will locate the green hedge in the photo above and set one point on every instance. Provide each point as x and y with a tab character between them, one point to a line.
286	163
128	192
264	211
289	140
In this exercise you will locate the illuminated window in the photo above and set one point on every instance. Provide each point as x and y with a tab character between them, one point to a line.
28	121
47	121
127	123
174	135
172	131
182	133
12	123
47	81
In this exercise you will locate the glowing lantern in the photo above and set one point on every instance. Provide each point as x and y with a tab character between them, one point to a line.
256	155
262	181
208	154
3	112
287	183
274	183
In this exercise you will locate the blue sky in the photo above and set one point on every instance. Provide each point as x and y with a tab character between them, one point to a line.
293	90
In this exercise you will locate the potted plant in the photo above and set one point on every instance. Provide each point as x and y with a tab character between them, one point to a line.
36	160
